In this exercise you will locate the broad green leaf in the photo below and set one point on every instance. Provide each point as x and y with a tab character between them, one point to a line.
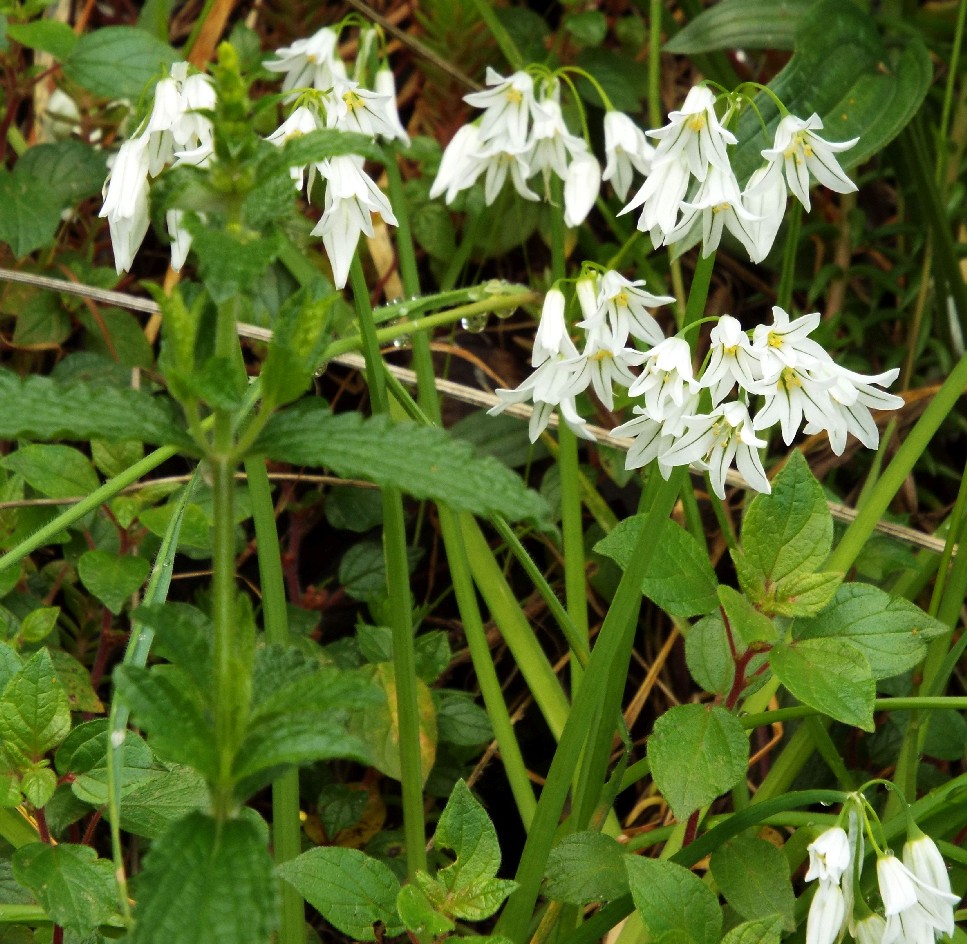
73	885
29	212
41	408
432	652
680	579
42	322
423	461
418	914
71	169
805	594
353	509
112	578
586	867
168	705
362	570
118	61
830	675
75	679
669	898
588	28
786	533
351	890
46	35
150	807
697	752
748	623
34	711
54	471
760	931
741	24
754	877
326	143
890	631
38	785
207	883
113	458
460	720
843	71
231	263
708	655
11	662
37	625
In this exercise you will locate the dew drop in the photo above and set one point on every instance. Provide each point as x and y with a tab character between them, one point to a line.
475	324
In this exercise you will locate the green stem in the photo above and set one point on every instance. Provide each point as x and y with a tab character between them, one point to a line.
597	697
907	703
398	588
286	825
488	13
788	275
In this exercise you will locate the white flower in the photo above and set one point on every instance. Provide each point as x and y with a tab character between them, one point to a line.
126	200
581	188
660	198
551	144
786	343
508	105
654	437
829	856
897	887
694	135
718	204
666	372
180	238
870	930
626	148
717	440
351	198
309	62
350	107
731	360
827	915
625	305
461	164
765	198
197	96
791	395
385	85
302	121
497	164
922	857
798	152
551	333
601	366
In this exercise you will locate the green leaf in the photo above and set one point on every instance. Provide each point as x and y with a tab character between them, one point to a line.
352	508
842	70
207	883
750	625
460	720
231	263
37	625
423	461
11	663
29	212
466	889
806	594
890	631
418	914
46	35
71	169
168	705
41	408
697	752
680	579
112	578
348	888
708	655
586	867
588	28
38	785
741	24
76	682
754	877
150	807
362	570
118	61
54	471
785	534
34	711
669	898
830	675
73	885
761	931
326	143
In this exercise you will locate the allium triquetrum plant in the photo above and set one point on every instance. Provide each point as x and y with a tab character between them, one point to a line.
699	562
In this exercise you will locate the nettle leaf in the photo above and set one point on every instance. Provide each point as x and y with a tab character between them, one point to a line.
351	890
586	867
708	655
71	169
697	752
207	883
38	785
418	914
760	931
229	263
54	471
890	631
118	61
831	675
423	461
806	594
150	807
671	899
42	408
112	578
680	579
34	711
37	625
843	71
466	889
29	212
74	886
46	35
754	877
785	535
747	622
325	143
741	24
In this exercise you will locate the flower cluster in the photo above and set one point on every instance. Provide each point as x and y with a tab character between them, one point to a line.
918	905
799	383
177	131
691	188
522	135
